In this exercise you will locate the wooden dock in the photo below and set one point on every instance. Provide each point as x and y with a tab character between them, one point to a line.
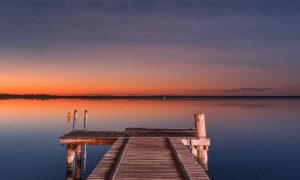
144	153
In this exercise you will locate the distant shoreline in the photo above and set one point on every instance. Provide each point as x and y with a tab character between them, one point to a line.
154	97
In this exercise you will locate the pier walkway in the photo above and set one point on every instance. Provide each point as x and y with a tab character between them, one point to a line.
145	153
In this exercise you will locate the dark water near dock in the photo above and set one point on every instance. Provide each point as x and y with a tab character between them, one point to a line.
250	139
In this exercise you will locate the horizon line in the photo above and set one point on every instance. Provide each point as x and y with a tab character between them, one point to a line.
135	96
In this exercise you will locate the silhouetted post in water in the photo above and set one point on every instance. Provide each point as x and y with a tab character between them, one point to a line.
74	120
201	134
78	162
85	120
70	160
84	161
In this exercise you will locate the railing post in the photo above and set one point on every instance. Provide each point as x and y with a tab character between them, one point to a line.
85	120
74	120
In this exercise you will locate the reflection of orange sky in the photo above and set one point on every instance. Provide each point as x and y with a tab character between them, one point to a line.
119	114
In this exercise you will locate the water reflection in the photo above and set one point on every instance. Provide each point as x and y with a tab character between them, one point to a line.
249	128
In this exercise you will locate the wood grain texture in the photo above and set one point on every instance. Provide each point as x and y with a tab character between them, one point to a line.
148	158
103	137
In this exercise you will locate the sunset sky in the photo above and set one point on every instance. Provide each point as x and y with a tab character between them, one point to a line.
150	47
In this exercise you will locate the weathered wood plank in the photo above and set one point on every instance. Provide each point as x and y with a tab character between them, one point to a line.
161	158
105	167
100	137
141	156
191	166
160	129
196	142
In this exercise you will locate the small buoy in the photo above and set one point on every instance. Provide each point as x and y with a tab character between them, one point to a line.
69	116
165	97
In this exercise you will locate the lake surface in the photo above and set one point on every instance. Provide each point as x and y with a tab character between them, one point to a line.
250	139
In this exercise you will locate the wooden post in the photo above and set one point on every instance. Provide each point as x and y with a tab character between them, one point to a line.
201	133
203	157
84	162
200	125
85	120
74	120
190	144
77	173
194	151
70	160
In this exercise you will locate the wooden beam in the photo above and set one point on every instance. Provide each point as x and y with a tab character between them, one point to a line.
196	142
194	170
184	173
119	159
88	141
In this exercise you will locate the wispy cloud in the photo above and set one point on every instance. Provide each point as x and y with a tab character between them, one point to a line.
290	86
237	90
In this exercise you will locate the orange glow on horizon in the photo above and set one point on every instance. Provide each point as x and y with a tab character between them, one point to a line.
132	75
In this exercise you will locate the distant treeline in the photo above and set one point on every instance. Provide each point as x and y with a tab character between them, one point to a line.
27	96
164	97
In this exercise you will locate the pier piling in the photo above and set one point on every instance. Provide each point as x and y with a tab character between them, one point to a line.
201	153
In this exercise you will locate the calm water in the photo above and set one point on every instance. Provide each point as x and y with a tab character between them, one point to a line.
250	139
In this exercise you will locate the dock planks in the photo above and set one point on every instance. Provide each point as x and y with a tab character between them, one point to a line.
105	167
191	167
108	137
148	158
